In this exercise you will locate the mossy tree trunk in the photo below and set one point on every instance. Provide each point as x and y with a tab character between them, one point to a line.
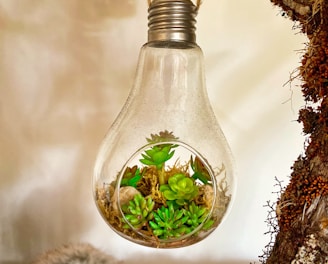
302	208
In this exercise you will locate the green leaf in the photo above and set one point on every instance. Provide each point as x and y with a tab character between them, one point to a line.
169	195
208	224
147	162
158	232
153	225
200	171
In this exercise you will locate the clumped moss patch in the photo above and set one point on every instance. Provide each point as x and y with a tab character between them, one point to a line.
299	222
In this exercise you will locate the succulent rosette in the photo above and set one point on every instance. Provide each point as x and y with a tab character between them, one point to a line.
180	189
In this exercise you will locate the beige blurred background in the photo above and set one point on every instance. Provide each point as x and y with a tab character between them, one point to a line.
66	68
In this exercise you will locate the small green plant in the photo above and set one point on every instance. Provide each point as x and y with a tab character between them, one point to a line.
162	136
200	172
131	176
180	189
158	155
197	215
169	223
138	211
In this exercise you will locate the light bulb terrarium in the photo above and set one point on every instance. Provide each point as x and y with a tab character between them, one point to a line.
164	174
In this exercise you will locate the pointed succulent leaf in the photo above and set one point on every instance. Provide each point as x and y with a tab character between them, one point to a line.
201	212
131	176
200	171
133	211
150	152
166	214
144	213
143	203
150	204
150	216
134	221
153	225
157	217
147	162
158	232
179	214
160	157
208	224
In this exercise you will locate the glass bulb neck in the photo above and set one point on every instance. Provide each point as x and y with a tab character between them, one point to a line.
172	20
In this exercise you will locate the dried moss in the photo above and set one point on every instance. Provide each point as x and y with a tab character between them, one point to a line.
302	208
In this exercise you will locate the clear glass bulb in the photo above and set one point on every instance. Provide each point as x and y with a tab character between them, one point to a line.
164	173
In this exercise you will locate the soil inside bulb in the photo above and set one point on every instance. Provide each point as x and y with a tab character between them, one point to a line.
166	195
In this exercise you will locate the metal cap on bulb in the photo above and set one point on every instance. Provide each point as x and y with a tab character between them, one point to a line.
172	20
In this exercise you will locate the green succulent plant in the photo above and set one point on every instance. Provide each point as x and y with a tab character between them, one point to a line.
200	172
131	176
169	223
162	136
180	188
197	214
159	154
138	211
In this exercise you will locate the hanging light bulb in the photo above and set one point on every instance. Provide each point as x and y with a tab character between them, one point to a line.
164	175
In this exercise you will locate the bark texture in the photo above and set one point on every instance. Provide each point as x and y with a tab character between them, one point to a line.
302	209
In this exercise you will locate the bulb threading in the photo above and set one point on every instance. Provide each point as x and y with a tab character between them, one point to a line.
172	20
